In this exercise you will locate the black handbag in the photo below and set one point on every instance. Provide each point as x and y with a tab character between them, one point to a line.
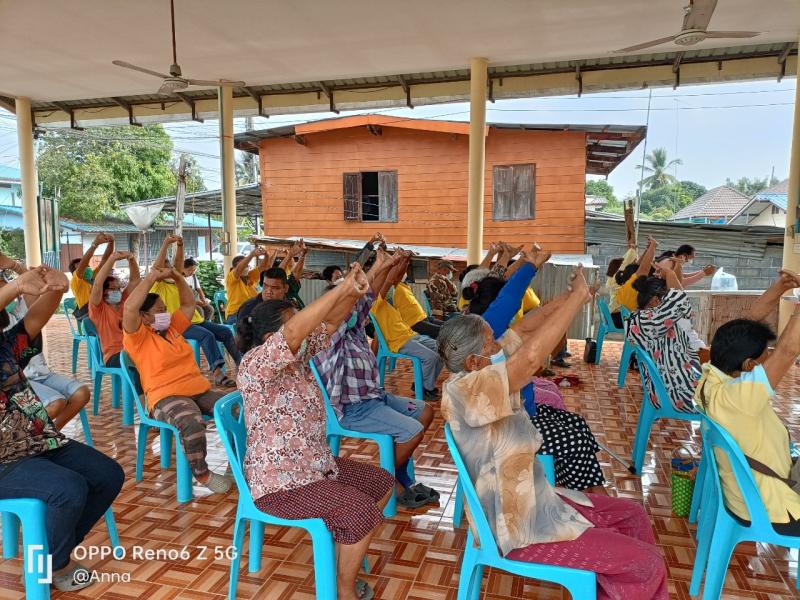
590	351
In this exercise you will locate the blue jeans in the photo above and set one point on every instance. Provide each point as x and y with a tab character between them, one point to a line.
77	483
424	348
231	320
208	344
392	415
225	335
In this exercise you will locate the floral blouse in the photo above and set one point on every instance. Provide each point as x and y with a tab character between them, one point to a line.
498	443
284	415
658	331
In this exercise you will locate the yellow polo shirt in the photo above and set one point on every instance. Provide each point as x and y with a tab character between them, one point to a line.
239	292
172	299
627	296
742	406
406	303
81	289
393	328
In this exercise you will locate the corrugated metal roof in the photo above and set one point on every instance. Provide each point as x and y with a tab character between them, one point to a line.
722	201
105	227
248	202
10	174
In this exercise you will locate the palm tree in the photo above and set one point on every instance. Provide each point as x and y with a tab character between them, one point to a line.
658	169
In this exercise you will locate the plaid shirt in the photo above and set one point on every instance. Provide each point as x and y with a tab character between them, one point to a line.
443	294
348	368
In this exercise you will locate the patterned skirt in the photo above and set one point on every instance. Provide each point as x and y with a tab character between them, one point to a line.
347	504
567	437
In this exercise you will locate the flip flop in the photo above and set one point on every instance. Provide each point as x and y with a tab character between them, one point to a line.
225	381
432	494
364	591
413	498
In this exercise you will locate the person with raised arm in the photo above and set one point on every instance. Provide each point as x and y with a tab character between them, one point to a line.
175	389
240	282
531	520
289	467
83	275
76	482
626	294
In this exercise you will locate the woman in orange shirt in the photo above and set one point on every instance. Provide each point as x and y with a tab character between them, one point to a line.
176	391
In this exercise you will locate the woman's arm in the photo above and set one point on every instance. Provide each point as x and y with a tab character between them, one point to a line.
769	300
158	263
50	286
240	267
494	248
108	251
135	276
297	270
96	297
131	320
188	305
786	351
177	260
87	256
646	261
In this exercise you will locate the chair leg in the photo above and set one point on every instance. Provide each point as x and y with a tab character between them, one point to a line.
598	351
719	557
256	545
334	441
418	381
705	532
184	475
111	524
392	364
386	451
10	535
470	573
458	509
410	470
141	446
238	544
98	389
76	344
699	484
324	565
127	405
115	385
166	447
381	369
87	432
646	418
624	362
34	533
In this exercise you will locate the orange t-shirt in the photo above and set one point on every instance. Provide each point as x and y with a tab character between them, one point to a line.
166	364
107	320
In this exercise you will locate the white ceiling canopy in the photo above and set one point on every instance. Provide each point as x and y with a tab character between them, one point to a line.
62	51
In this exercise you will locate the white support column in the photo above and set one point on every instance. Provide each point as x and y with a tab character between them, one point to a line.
791	241
30	185
477	158
228	168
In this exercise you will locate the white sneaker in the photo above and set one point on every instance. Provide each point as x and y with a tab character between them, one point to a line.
77	578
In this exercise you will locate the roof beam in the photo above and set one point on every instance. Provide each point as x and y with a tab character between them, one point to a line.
676	68
129	108
71	112
579	78
407	89
329	93
300	139
782	60
190	103
257	98
8	104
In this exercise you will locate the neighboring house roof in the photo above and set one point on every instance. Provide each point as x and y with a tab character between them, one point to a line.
10	174
248	202
775	194
606	145
722	201
109	226
596	201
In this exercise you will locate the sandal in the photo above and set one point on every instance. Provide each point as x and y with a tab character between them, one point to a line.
363	590
433	495
223	380
413	497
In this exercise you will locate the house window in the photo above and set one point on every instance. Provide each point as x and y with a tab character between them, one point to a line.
775	210
370	196
513	193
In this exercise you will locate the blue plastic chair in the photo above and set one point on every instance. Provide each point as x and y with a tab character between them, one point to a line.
384	354
99	369
167	433
78	334
232	431
30	514
607	326
718	532
582	585
549	472
335	433
426	304
649	413
219	300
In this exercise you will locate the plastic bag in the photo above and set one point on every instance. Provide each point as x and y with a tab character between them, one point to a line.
724	282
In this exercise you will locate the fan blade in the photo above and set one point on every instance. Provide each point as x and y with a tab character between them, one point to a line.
732	34
699	15
122	63
166	89
649	44
218	83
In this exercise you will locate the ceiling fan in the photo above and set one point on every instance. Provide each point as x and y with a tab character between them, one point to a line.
695	21
175	82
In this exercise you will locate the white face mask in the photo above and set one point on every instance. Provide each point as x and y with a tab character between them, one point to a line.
449	275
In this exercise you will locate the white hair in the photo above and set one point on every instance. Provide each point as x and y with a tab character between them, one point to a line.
458	338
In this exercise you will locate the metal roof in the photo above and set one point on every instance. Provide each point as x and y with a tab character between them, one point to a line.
248	202
512	81
606	145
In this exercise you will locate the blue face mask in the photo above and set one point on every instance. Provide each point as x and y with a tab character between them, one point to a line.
114	297
351	323
496	358
11	306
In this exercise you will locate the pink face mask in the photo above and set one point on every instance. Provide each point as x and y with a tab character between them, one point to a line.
162	321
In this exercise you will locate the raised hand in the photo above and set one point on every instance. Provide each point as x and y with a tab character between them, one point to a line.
788	279
172	239
709	269
56	280
161	273
260	251
355	283
32	282
578	285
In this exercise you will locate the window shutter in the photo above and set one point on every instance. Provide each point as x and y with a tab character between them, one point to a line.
387	196
352	196
502	193
523	207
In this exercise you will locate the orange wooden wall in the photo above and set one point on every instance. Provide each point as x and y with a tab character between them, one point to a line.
302	185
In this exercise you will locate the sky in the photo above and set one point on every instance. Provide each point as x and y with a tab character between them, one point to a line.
718	131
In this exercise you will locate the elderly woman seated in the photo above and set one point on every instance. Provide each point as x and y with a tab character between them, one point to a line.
289	466
531	520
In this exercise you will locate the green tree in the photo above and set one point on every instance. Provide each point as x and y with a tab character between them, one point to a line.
658	168
695	190
661	203
750	187
602	189
93	172
194	177
245	169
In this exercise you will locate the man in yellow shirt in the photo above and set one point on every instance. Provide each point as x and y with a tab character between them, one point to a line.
240	283
82	274
735	392
409	307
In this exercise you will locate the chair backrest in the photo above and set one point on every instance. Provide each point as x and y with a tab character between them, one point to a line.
219	300
330	414
382	345
715	438
605	314
126	363
93	343
468	488
426	304
69	305
229	418
648	366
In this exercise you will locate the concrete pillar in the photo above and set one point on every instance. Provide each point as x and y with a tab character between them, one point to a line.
791	239
228	168
477	158
30	185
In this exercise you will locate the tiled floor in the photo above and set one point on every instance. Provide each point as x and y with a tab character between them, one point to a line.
415	555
